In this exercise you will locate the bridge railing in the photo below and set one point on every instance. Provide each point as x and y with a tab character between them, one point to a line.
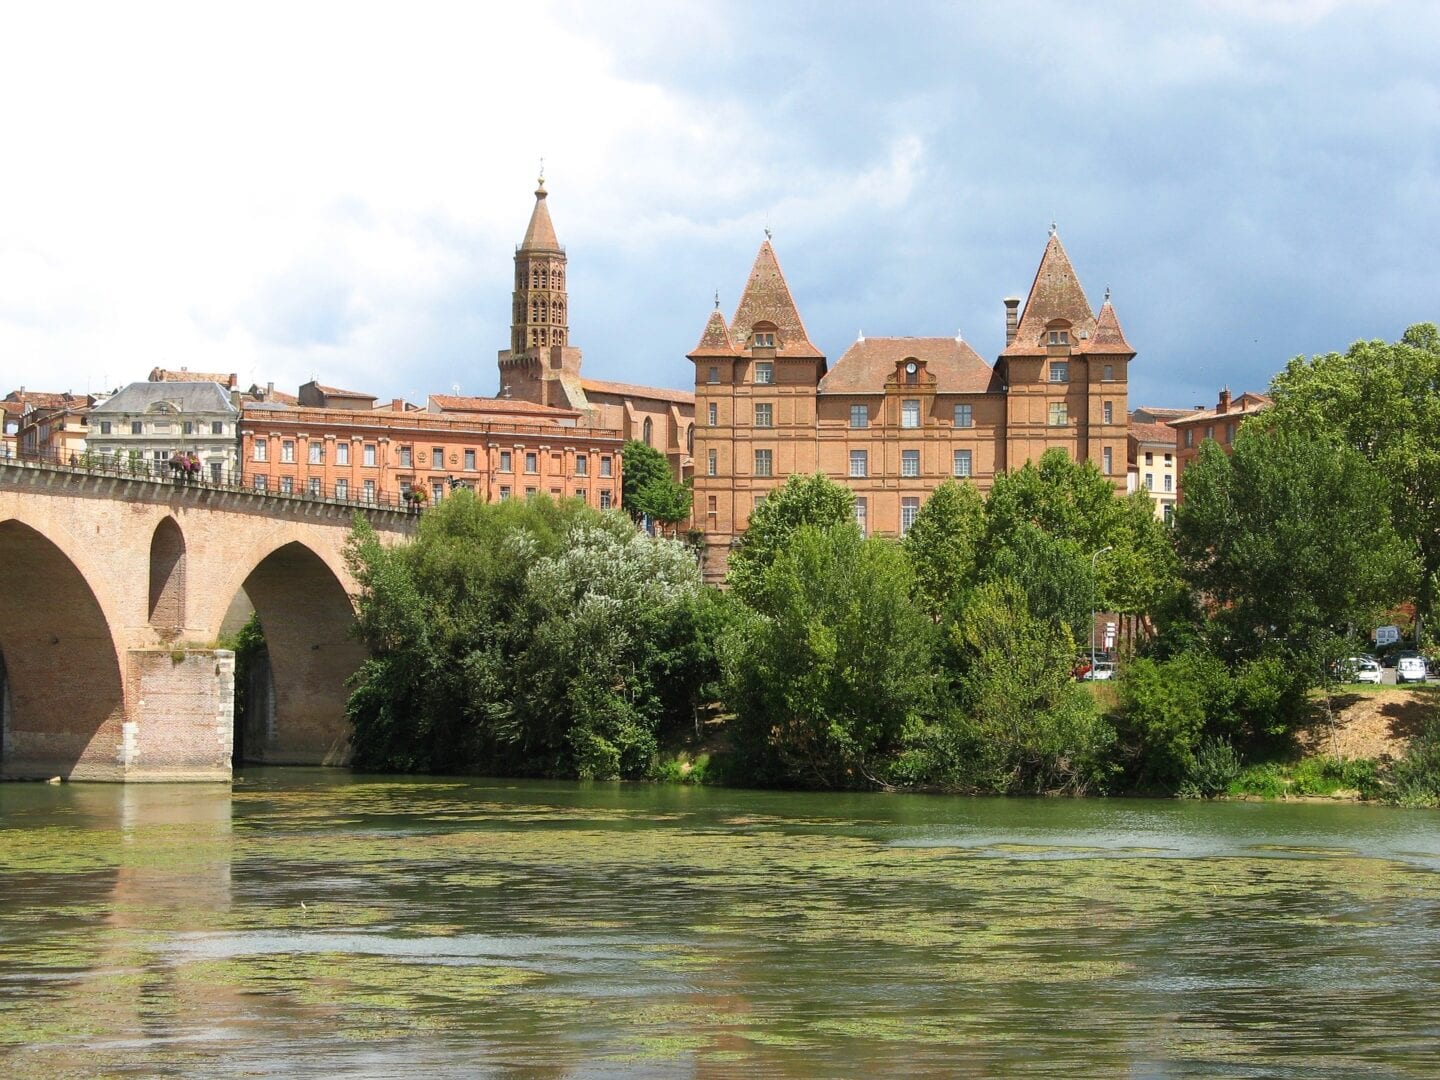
311	490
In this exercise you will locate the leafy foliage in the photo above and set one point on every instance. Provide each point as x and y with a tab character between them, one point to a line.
649	488
942	545
802	500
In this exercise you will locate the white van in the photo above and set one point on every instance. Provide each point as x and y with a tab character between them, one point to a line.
1410	669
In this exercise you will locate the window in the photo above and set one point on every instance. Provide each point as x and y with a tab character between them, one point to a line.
764	339
909	462
315	486
964	416
1169	511
605	499
962	462
437	457
1210	431
1059	337
859	416
437	492
582	465
217	472
369	491
713	376
407	458
712	463
287	485
649	432
763	463
262	450
712	411
368	454
1059	371
531	492
910	413
507	461
1108	373
605	467
1108	411
188	427
342	489
1059	414
1149	481
470	460
764	372
1169	482
287	450
862	514
532	462
909	511
1149	458
342	453
262	483
217	427
504	493
1107	456
1189	436
711	504
859	463
317	453
1230	432
764	414
1167	459
580	493
137	427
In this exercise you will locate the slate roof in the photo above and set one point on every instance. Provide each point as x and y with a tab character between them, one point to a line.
632	390
187	397
767	299
863	369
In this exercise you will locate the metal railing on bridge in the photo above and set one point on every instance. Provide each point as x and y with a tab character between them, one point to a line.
176	473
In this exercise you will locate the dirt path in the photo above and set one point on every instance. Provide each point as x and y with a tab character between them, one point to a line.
1372	723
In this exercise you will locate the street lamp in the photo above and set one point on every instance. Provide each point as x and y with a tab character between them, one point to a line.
1093	559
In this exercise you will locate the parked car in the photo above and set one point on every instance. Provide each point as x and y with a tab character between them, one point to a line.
1411	668
1361	669
1103	669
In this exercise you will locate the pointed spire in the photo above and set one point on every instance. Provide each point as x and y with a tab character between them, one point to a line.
715	341
767	299
540	235
1055	294
1108	337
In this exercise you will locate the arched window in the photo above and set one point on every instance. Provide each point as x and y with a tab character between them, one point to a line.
558	308
690	440
544	278
649	432
557	337
534	310
544	312
558	278
535	278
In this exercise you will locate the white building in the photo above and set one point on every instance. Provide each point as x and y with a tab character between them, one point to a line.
148	422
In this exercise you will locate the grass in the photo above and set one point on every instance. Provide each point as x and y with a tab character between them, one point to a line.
1319	776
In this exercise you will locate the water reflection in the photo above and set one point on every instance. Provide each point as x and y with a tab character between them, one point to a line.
317	922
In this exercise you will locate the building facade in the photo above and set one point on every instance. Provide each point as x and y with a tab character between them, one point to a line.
1152	462
147	423
895	417
1219	425
542	364
380	456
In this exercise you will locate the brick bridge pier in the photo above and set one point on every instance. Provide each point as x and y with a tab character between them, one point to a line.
113	592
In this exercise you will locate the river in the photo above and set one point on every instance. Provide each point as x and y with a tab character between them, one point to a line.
318	923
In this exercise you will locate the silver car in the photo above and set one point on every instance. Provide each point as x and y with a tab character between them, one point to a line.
1410	669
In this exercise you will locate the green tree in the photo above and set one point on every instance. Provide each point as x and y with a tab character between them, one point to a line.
942	545
1383	400
830	667
802	500
1289	542
665	500
645	468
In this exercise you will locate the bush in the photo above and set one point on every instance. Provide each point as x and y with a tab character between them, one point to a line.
1327	775
1213	768
1414	780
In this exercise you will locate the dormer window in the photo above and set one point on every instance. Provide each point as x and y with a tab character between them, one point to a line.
1059	337
764	339
912	373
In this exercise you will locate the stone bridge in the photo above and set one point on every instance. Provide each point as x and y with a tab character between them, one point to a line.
113	593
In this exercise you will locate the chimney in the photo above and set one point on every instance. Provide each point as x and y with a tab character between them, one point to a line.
397	404
1224	406
1012	318
234	380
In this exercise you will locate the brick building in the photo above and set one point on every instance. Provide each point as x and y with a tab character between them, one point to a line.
1219	425
542	365
377	456
47	425
896	416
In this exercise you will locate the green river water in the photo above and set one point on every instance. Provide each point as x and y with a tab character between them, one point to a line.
317	923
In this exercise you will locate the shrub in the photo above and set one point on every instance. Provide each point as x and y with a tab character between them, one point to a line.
1213	768
1415	778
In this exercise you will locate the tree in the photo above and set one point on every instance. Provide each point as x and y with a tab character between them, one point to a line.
803	500
1383	400
1289	542
665	500
942	545
644	467
831	666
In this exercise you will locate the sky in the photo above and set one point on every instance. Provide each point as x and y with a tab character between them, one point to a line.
334	191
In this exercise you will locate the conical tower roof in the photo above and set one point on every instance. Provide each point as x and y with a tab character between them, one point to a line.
715	341
1055	294
767	299
540	235
1108	337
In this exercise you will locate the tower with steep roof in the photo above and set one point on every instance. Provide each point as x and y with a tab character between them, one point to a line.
541	365
1065	370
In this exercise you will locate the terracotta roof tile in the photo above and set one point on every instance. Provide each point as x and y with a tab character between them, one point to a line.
631	390
715	341
1159	413
540	234
331	391
1107	336
1242	405
863	369
42	399
1154	433
450	403
160	374
767	299
1055	294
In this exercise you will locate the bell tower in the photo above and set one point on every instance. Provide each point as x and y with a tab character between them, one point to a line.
540	365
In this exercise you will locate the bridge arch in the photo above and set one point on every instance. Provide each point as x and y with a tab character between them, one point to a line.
63	672
167	578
